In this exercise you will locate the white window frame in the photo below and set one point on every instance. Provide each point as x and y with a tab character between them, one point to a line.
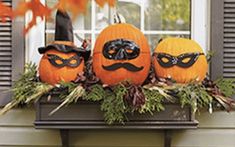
199	28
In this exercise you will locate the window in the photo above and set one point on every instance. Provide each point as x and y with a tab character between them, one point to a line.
155	18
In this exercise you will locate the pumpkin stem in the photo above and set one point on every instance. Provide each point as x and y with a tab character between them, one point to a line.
118	18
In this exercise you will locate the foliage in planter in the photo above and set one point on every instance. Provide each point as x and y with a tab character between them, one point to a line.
27	89
113	104
117	101
227	86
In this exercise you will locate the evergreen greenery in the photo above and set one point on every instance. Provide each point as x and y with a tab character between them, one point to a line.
226	86
117	101
113	104
96	93
154	101
194	95
27	89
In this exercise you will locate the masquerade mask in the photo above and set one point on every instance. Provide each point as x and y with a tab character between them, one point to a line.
120	49
184	60
57	61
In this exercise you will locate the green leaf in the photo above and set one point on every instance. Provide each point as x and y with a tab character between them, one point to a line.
153	101
226	86
27	88
96	93
113	104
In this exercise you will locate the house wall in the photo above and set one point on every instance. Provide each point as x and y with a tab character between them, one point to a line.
215	130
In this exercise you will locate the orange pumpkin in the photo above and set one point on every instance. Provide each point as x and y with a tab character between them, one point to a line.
62	60
52	74
180	59
121	53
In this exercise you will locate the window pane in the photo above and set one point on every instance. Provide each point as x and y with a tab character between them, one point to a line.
154	39
50	24
167	14
102	18
78	42
130	9
49	38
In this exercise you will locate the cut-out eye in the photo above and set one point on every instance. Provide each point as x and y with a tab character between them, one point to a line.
129	51
58	62
165	60
73	61
186	60
111	51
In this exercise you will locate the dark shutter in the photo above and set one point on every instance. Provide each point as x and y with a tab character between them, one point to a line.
229	39
11	53
223	38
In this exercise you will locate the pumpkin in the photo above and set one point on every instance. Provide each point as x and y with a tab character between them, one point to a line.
52	74
180	59
62	60
121	53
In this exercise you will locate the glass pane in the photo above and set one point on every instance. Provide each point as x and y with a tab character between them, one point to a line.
154	39
130	9
78	41
49	38
167	14
82	22
50	24
101	17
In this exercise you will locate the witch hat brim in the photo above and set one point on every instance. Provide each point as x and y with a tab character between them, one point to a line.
66	49
64	37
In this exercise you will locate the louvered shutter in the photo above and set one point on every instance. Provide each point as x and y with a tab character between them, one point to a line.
11	53
223	38
229	39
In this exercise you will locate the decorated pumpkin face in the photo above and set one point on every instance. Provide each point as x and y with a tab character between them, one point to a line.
57	66
62	60
121	53
180	59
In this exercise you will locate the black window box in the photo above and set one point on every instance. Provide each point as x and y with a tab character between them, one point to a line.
87	115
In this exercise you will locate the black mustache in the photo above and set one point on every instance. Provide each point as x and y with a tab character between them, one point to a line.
127	66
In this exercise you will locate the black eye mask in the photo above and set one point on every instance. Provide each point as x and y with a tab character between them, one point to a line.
64	62
121	49
179	60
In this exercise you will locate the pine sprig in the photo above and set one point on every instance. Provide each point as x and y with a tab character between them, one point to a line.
27	88
194	95
226	86
96	93
153	103
113	105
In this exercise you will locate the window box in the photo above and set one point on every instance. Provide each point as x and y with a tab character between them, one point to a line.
87	115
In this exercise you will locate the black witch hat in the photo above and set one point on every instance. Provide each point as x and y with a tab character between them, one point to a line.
64	37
